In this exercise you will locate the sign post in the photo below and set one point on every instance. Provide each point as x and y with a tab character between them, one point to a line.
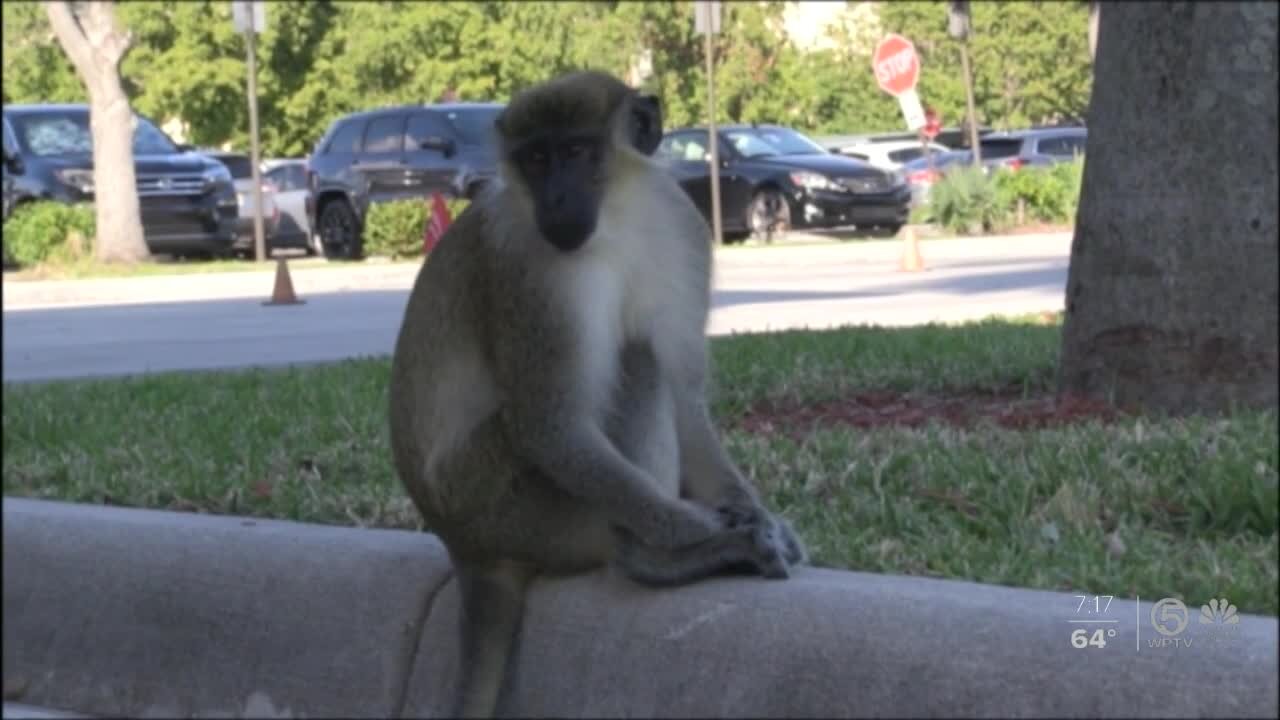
706	20
250	18
928	132
958	27
897	69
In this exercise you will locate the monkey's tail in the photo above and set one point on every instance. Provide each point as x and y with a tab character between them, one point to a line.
492	608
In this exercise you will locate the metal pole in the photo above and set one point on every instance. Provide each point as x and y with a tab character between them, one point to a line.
259	246
968	98
712	136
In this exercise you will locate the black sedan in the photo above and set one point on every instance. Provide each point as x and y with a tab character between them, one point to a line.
773	178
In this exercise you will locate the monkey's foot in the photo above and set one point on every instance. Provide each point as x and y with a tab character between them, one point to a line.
773	544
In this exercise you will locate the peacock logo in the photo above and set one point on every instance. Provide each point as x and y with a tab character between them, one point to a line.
1218	612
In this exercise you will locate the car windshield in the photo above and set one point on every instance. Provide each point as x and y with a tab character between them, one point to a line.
474	125
767	142
239	166
67	133
996	148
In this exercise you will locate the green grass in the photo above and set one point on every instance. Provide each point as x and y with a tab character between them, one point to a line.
1150	507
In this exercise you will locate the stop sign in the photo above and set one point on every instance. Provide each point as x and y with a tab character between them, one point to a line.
932	126
896	65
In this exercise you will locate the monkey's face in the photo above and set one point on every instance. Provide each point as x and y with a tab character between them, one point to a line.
565	175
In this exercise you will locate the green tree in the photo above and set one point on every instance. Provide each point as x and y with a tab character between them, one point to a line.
189	63
35	67
1030	59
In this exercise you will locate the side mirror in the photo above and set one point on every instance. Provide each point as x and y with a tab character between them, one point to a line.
183	147
442	144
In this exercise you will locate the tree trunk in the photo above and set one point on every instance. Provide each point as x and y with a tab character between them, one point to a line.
1094	9
95	44
1172	292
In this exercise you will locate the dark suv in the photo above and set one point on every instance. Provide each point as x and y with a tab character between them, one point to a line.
188	202
396	153
1037	146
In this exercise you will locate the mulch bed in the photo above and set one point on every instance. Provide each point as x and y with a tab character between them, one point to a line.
883	408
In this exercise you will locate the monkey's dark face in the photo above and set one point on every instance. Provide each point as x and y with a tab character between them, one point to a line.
565	174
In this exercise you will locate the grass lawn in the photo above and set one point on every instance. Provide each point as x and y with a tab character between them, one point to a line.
1126	506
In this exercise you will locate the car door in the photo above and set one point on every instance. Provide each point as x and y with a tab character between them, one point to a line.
381	160
431	149
685	154
290	182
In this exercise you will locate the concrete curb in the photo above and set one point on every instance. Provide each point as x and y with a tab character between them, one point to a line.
18	711
112	611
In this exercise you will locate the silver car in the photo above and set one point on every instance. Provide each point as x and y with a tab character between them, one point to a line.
288	180
241	168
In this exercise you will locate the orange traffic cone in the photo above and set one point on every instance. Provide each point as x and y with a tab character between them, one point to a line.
283	293
911	260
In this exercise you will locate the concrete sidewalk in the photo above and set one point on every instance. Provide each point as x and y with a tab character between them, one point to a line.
122	612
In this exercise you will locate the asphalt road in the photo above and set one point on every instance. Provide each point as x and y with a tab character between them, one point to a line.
118	327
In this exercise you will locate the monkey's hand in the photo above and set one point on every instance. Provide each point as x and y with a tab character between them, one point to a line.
793	549
685	523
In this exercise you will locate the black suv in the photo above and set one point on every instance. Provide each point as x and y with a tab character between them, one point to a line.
188	202
396	153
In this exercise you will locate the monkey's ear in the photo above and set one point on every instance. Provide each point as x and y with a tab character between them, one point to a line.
646	123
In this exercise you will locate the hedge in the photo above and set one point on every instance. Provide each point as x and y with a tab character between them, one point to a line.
396	228
46	231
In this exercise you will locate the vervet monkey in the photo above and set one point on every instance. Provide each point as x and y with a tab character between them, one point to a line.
548	389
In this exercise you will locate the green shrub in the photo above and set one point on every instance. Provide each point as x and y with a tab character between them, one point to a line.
965	201
396	228
1046	194
48	232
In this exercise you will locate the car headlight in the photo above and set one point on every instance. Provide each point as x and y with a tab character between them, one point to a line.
813	181
216	174
78	178
898	178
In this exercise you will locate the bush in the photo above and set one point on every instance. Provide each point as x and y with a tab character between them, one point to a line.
48	232
1046	194
965	201
396	228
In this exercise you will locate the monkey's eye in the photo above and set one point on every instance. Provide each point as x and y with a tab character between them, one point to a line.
537	157
575	150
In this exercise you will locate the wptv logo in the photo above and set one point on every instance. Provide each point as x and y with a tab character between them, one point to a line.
1218	622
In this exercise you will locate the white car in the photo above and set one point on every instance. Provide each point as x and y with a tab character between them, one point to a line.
889	154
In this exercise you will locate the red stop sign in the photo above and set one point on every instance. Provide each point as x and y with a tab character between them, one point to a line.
896	65
931	124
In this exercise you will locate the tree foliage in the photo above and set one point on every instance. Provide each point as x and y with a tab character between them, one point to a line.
319	59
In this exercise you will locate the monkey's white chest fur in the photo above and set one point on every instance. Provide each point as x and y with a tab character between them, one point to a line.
634	289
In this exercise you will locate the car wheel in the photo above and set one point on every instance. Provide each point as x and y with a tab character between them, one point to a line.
735	237
768	215
339	235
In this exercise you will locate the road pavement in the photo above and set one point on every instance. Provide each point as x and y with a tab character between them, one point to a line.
217	321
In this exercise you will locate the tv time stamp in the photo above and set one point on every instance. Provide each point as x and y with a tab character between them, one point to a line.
1169	624
1092	625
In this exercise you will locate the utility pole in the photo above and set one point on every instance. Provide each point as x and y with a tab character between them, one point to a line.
958	25
707	22
251	18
